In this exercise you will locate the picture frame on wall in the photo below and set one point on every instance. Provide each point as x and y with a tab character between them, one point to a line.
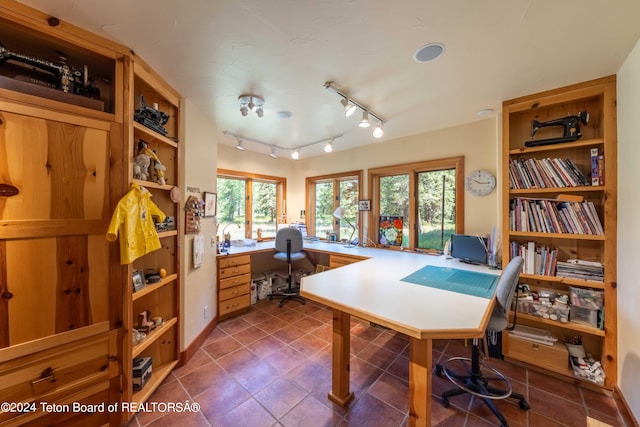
364	205
210	202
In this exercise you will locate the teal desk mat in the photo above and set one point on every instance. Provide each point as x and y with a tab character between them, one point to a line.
451	279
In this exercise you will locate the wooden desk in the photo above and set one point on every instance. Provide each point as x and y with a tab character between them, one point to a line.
372	290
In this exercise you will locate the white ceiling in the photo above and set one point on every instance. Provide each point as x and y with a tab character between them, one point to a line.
212	51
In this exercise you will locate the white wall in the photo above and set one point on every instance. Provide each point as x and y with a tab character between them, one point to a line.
629	230
198	152
477	142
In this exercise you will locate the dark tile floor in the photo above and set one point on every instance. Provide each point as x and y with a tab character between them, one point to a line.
272	367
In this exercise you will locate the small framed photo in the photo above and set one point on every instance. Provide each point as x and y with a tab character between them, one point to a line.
364	205
210	200
138	280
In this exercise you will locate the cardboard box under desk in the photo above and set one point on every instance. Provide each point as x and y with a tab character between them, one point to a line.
553	357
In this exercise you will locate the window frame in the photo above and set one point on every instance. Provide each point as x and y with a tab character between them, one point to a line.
310	197
413	169
249	178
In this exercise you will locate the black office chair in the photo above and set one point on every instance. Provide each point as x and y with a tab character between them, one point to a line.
289	249
472	375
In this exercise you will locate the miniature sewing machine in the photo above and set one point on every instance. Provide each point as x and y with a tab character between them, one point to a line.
570	125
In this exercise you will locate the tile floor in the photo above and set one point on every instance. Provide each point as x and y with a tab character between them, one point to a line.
272	367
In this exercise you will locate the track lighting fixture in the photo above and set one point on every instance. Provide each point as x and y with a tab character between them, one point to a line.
329	146
364	123
378	131
251	102
295	152
350	106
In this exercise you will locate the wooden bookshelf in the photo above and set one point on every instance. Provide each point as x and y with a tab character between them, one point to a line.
598	97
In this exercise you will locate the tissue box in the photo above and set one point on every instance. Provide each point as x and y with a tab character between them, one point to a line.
142	369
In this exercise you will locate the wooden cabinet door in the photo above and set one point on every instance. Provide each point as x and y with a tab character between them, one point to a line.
54	212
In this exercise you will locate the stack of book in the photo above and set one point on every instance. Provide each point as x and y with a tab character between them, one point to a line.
545	173
554	216
581	269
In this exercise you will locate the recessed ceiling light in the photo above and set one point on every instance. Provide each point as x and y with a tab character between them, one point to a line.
485	112
284	114
428	52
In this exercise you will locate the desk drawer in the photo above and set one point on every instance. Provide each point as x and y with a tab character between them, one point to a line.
234	304
235	291
225	273
553	357
234	261
244	279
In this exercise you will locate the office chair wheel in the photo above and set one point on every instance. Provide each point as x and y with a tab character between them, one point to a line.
438	370
445	402
524	405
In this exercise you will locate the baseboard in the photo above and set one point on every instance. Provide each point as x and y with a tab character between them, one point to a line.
191	349
627	415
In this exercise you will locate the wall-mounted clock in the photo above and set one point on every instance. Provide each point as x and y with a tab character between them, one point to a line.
480	182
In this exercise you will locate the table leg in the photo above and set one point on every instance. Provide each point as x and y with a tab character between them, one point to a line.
420	357
340	393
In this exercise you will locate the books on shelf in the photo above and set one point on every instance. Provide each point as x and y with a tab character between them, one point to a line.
554	216
539	260
526	173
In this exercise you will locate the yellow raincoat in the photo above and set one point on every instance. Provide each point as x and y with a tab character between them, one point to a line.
133	220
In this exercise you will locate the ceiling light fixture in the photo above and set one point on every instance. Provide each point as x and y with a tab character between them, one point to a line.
251	102
364	123
329	146
378	131
295	152
350	105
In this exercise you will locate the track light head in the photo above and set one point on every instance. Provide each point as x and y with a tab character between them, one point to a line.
329	146
260	112
273	153
296	154
349	107
364	123
378	131
239	145
244	110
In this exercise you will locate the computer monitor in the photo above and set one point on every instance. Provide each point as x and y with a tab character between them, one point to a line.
471	249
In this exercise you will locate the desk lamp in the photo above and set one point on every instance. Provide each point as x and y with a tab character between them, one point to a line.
339	213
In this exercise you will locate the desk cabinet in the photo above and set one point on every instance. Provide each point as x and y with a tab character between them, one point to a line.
234	284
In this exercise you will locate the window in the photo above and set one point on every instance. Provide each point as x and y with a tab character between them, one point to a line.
428	197
324	195
248	203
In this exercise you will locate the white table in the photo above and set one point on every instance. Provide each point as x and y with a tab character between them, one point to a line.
372	290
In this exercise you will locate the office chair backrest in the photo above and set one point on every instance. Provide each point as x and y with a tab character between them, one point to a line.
504	295
289	233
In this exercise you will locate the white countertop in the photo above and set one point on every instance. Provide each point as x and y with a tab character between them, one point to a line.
372	289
